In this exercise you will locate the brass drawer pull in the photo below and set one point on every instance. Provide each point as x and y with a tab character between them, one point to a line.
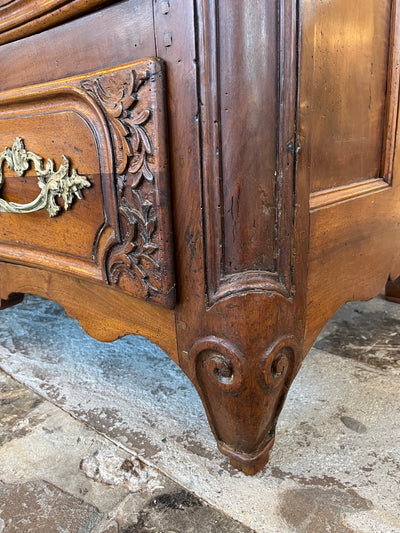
52	183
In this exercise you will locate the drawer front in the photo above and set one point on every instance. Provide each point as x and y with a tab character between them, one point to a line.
85	179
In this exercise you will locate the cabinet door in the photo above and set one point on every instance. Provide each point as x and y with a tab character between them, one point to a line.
348	123
349	54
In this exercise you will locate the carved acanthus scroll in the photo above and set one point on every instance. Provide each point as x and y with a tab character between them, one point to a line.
125	98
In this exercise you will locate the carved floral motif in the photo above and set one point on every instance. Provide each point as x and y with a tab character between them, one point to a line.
120	95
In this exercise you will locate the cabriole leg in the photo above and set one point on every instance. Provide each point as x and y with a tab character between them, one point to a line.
243	396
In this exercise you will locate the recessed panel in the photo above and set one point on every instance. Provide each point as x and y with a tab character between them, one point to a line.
248	71
84	181
50	137
347	100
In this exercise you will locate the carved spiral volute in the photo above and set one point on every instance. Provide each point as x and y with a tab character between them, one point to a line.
219	363
279	364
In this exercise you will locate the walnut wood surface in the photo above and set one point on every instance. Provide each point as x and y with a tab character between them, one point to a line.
352	228
392	291
279	172
20	18
103	313
349	73
242	347
89	43
112	125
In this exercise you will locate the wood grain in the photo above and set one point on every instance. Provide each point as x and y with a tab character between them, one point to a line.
243	349
280	131
115	35
353	223
21	18
349	69
121	231
103	312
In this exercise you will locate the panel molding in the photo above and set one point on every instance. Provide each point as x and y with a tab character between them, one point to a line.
392	99
334	196
219	284
21	18
53	98
132	101
329	197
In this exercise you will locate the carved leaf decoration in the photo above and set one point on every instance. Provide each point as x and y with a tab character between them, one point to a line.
150	248
146	172
119	99
119	95
136	164
137	247
141	118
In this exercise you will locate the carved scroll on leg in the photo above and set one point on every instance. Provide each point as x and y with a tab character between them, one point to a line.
243	400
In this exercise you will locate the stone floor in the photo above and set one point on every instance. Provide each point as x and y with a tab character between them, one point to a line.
113	438
58	475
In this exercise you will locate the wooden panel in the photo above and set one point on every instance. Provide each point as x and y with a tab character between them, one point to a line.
104	313
71	232
20	18
353	250
354	228
53	121
248	89
132	100
247	164
112	126
118	34
350	56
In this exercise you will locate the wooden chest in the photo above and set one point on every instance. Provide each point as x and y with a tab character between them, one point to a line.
216	175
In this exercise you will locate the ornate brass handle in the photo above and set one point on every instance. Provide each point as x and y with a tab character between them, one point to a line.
52	183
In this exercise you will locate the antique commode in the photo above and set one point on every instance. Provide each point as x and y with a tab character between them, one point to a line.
219	176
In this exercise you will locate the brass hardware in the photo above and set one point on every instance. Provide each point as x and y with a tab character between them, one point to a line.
52	183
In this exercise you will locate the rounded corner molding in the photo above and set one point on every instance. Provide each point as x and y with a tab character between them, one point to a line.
52	183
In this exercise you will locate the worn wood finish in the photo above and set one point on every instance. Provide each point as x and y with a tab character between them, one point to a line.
104	313
349	71
20	18
93	42
239	335
392	291
112	125
243	186
352	227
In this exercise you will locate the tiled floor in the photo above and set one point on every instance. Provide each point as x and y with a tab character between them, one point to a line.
68	450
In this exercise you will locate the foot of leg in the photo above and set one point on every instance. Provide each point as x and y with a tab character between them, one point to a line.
243	396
